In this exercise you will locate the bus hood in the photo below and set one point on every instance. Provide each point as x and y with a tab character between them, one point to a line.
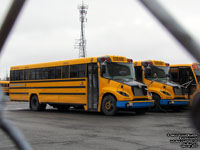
172	84
134	83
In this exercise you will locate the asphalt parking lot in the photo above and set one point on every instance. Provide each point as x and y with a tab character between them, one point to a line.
79	130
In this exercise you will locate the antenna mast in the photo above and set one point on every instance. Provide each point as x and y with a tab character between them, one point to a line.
81	43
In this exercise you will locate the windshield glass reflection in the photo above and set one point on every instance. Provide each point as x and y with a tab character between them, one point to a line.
118	71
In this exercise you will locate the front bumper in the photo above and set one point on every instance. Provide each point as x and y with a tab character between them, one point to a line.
135	104
174	102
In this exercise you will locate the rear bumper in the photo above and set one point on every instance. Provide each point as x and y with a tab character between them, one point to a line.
174	102
135	104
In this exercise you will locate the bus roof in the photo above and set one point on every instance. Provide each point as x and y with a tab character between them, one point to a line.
70	62
154	62
183	65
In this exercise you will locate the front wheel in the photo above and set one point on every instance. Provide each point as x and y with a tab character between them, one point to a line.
108	105
35	105
157	106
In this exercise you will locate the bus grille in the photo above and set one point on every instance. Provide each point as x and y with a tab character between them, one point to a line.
179	91
139	91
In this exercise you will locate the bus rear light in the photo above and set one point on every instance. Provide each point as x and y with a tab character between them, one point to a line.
166	64
103	59
194	67
148	63
129	60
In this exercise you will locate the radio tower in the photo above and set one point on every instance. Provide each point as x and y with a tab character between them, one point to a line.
81	43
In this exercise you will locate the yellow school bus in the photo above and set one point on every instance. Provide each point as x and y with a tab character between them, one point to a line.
5	87
104	84
187	75
155	74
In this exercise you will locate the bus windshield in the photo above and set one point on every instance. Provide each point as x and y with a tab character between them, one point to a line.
113	69
157	73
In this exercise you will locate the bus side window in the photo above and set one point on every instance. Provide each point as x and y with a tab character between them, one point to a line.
138	73
12	75
58	73
16	74
65	72
37	74
174	72
21	74
32	74
26	74
51	73
77	71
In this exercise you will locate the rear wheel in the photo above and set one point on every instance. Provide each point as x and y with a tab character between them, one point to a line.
109	105
35	105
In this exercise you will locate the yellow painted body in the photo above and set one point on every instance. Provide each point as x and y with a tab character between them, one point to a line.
5	86
157	87
53	90
194	89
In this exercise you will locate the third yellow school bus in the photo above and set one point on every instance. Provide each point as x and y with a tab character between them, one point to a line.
187	75
155	74
104	84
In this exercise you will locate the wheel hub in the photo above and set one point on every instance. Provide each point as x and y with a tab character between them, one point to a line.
108	105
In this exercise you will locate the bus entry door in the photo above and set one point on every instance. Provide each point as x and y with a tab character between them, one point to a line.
93	87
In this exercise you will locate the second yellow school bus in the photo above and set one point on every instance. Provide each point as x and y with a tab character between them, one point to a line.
155	74
5	87
97	83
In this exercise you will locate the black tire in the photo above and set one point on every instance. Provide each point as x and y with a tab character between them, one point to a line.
108	105
157	106
63	108
35	105
141	111
79	107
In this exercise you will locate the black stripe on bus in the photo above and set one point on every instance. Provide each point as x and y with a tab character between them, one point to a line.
18	100
49	81
19	93
55	103
62	93
51	87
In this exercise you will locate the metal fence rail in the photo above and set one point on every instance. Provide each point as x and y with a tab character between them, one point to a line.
6	126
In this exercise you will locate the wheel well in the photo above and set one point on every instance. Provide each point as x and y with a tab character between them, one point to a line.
32	96
155	94
109	94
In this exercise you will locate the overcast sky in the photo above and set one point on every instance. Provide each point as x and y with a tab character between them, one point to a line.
46	31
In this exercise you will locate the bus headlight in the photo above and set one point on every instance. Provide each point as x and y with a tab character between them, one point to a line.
166	93
122	93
